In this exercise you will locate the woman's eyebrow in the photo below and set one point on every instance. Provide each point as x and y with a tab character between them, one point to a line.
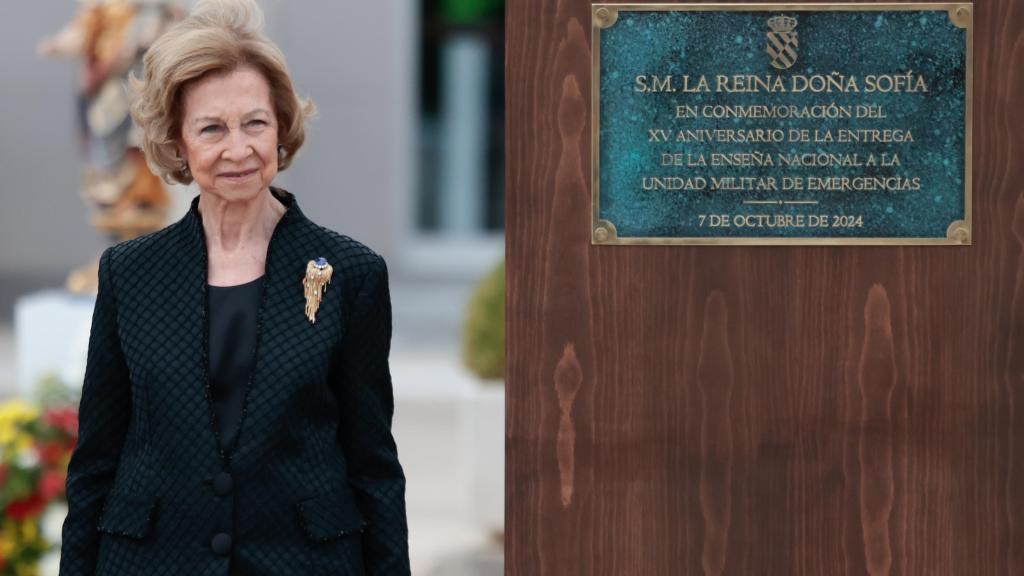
216	119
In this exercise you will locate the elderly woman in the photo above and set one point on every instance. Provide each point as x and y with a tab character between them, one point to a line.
236	413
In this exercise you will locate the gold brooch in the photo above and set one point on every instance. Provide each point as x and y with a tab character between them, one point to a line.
318	276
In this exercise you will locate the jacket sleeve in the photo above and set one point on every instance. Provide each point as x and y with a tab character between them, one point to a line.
103	415
366	403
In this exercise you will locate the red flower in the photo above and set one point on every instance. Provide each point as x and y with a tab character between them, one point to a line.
51	484
65	419
26	507
50	453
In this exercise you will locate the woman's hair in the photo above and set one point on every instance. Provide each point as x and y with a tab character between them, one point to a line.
216	38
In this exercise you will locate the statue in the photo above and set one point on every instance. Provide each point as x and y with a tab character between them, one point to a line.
110	37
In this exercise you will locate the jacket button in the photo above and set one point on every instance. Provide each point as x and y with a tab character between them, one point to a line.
222	483
221	543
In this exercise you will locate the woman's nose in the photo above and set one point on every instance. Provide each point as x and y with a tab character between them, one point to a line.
238	146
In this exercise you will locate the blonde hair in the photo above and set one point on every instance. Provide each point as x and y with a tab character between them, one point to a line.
216	38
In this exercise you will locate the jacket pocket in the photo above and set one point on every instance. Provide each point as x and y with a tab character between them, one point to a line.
128	514
331	515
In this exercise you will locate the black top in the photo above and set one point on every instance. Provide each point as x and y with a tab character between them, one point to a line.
233	311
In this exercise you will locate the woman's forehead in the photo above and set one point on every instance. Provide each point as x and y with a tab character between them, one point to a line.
243	90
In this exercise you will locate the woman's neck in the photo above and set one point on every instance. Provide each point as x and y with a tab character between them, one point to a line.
242	226
237	236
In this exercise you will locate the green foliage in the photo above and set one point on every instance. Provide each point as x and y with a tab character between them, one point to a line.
52	391
484	330
472	11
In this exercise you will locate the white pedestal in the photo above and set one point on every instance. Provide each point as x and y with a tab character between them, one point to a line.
51	334
432	397
488	416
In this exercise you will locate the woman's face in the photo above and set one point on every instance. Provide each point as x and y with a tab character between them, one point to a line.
229	133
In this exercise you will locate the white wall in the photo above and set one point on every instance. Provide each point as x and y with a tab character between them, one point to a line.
43	222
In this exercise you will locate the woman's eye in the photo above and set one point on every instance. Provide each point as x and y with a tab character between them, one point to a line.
256	123
210	128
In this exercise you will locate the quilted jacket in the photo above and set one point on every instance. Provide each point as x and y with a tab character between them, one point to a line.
312	483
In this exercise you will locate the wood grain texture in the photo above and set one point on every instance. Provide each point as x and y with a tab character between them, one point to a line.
757	410
715	380
876	379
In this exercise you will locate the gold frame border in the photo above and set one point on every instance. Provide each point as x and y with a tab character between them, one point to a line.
603	232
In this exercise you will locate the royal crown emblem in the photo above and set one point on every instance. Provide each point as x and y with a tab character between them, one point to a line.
782	41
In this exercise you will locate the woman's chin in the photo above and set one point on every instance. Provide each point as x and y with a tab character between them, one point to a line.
235	192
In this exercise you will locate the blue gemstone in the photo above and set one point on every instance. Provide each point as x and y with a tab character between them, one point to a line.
320	262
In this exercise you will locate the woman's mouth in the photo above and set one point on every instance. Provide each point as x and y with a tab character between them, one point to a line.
238	175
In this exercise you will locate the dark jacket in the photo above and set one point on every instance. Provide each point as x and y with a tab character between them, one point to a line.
312	483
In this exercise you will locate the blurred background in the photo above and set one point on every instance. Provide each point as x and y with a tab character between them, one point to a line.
405	155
